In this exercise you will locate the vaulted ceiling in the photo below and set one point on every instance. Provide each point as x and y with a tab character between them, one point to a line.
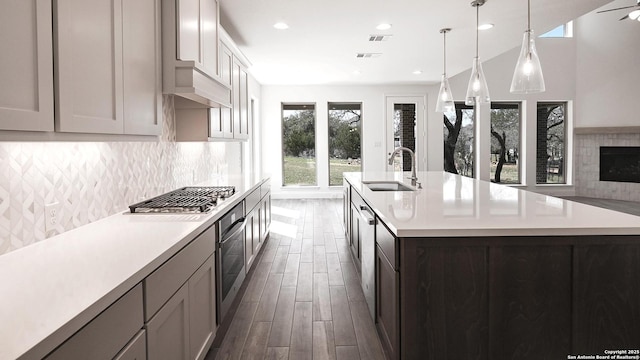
324	36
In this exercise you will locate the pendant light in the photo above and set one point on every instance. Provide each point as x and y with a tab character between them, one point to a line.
477	91
527	77
445	99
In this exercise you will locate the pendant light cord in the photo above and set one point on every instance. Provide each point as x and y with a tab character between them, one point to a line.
444	35
477	25
529	15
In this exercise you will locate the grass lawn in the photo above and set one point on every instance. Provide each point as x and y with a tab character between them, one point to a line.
509	174
302	171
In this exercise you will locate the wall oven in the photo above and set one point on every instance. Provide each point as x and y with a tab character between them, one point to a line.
230	262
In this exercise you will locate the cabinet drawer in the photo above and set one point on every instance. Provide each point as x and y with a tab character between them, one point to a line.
252	200
357	200
135	350
169	277
387	243
108	333
265	188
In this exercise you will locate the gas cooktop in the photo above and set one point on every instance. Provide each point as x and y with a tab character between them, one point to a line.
188	199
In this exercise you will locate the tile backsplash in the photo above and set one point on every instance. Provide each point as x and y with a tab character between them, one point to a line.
92	180
587	175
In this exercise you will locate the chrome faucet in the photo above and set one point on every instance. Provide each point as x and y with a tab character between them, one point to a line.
414	178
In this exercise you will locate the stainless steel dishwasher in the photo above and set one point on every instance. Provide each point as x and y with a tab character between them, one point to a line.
368	256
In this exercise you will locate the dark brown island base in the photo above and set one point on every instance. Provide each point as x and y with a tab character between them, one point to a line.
568	288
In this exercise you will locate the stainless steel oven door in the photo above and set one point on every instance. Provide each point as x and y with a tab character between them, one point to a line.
231	271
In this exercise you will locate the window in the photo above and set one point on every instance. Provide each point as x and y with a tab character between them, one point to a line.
459	142
505	143
299	144
551	140
562	31
344	140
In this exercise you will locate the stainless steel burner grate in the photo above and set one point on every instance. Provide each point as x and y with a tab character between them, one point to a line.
185	200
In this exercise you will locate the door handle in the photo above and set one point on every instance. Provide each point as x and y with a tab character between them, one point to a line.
371	219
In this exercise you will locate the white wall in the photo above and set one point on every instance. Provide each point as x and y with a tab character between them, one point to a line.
608	82
373	110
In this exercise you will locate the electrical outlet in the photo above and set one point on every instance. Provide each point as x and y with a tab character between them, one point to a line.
51	216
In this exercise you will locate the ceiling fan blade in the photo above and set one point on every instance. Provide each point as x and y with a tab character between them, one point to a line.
625	17
626	7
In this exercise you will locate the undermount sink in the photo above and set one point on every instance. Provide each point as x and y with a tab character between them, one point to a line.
387	186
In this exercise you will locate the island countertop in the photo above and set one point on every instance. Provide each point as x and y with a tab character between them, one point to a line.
451	205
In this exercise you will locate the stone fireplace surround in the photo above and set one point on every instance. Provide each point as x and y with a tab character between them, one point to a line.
587	162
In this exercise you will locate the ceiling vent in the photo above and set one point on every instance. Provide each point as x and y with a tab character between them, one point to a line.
377	38
367	55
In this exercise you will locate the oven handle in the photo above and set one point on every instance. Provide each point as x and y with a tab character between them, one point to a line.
241	224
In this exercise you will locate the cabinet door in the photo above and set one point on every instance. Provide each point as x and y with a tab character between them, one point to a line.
243	132
168	330
202	309
135	350
387	314
209	35
355	236
257	227
235	95
249	255
141	60
26	67
89	66
188	18
226	64
346	200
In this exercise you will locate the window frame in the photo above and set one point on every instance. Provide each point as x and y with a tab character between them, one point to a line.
520	127
315	136
567	143
329	103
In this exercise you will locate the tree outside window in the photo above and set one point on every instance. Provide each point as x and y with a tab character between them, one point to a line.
505	143
299	144
551	143
459	143
344	140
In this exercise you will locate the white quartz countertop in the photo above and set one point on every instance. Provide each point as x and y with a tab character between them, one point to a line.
50	289
450	205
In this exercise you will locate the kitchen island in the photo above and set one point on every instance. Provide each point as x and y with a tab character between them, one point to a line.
467	269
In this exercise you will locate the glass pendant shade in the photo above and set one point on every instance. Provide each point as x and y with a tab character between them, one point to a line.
527	77
445	98
477	89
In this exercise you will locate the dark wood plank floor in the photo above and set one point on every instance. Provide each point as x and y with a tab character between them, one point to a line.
304	299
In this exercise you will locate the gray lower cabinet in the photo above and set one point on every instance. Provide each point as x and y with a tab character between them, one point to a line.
136	349
252	237
168	330
106	335
181	302
354	239
185	326
387	292
202	309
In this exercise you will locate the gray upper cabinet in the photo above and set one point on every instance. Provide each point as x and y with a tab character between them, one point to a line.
108	70
26	67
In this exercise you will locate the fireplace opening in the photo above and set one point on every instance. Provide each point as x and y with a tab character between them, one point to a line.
620	163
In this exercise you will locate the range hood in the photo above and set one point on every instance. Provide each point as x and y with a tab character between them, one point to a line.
194	87
190	56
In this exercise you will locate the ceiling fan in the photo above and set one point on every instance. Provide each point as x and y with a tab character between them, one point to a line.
633	15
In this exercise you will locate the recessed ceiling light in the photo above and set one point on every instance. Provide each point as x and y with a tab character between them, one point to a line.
383	26
281	26
485	26
357	72
417	72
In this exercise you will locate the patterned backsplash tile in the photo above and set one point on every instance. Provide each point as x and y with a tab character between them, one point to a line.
93	180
